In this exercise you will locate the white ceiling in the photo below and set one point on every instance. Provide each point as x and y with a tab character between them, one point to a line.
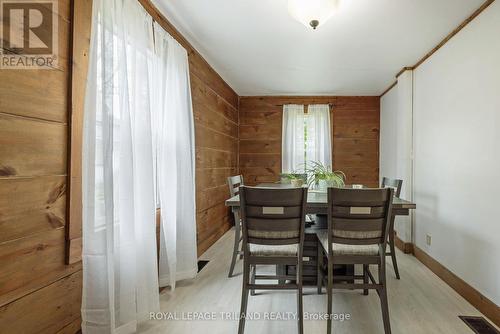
258	49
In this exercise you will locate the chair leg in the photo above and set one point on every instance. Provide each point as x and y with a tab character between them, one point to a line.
281	271
253	272
383	298
320	270
365	278
300	309
244	297
393	248
330	293
236	246
241	249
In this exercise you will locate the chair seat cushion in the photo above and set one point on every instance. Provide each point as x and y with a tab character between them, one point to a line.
273	250
343	249
273	234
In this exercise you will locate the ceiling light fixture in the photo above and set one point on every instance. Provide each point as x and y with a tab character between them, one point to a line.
312	13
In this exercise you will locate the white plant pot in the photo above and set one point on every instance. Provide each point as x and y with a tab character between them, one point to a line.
322	185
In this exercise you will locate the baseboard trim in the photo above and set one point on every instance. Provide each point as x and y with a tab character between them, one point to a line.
405	247
480	302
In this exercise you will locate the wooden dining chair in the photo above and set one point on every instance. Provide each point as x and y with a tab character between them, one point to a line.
234	183
273	234
358	224
395	184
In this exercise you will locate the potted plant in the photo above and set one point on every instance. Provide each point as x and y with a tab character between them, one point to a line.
322	176
296	180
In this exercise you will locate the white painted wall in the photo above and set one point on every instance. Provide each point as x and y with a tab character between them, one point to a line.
457	154
396	143
388	124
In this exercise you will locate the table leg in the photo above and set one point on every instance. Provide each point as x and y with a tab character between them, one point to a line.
392	247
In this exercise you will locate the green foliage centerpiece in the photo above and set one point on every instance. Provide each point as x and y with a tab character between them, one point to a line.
295	179
322	177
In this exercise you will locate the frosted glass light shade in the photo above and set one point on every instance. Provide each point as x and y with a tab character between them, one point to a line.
309	11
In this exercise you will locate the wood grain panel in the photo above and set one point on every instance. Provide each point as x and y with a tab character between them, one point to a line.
32	262
213	120
214	177
262	171
254	179
210	197
260	160
42	208
45	311
201	69
72	327
356	129
356	158
359	130
34	93
38	292
31	147
355	133
268	131
208	138
82	22
207	217
216	230
213	158
260	167
275	103
212	223
261	118
261	145
363	175
202	94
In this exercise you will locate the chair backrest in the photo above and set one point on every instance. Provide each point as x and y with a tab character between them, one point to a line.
359	216
235	182
273	216
396	184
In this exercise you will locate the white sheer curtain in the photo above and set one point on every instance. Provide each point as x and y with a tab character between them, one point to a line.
292	153
174	128
318	144
120	277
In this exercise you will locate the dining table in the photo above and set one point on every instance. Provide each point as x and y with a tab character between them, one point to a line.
317	204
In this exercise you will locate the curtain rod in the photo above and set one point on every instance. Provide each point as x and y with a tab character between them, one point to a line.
331	105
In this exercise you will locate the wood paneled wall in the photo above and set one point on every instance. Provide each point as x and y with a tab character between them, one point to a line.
356	129
355	134
39	293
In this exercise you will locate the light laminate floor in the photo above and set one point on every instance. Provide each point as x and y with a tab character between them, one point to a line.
419	303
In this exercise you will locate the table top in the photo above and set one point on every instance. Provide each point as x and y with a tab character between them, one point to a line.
318	199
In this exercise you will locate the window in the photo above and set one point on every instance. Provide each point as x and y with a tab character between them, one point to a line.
306	137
